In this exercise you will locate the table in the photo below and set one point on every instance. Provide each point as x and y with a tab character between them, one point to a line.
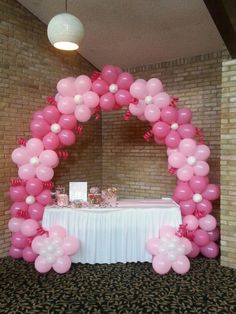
118	234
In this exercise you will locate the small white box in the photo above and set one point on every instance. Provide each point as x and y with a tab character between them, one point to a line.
78	191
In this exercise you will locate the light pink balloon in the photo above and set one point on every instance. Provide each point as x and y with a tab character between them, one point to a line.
188	245
162	100
211	250
191	221
154	86
38	243
202	152
36	211
187	207
168	114
201	168
66	87
34	146
15	252
26	172
107	101
29	227
214	235
91	99
167	231
62	264
177	160
82	113
44	198
124	80
57	231
82	84
138	109
185	173
152	246
160	129
48	158
51	141
67	137
67	121
14	224
41	264
201	237
187	131
170	151
109	74
184	115
195	250
181	265
17	193
187	147
70	245
212	192
152	113
44	173
123	97
100	87
28	254
207	223
18	240
161	264
198	184
20	156
138	89
172	139
58	97
66	105
51	114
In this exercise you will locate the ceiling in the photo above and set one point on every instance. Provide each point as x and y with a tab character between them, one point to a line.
128	33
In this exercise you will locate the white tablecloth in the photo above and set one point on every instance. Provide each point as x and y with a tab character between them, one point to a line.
110	235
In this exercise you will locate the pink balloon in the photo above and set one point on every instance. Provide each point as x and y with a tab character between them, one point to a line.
201	168
28	254
168	114
107	101
207	223
183	192
202	152
187	244
51	141
181	265
66	105
38	115
17	193
123	97
66	87
187	207
187	146
124	80
20	156
214	235
160	129
172	140
62	264
82	84
162	100
26	172
185	173
19	240
38	243
161	264
44	173
39	128
29	227
91	99
191	221
201	237
67	137
204	207
14	224
67	121
195	250
167	231
15	252
138	89
44	198
34	146
212	192
184	115
36	211
70	245
211	250
171	151
109	74
177	160
82	113
154	86
18	206
152	246
41	264
100	87
57	231
48	158
152	113
198	184
187	131
58	97
51	114
138	109
34	186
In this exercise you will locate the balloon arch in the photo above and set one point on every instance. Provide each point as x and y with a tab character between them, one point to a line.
55	127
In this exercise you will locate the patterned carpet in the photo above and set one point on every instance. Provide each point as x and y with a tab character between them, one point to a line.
117	288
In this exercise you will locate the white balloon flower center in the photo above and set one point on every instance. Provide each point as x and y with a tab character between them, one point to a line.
113	88
197	198
34	161
55	128
78	99
174	126
148	100
191	160
30	200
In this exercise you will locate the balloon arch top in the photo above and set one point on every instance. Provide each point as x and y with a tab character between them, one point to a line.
55	127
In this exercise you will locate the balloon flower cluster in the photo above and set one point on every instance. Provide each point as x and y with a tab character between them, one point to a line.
54	127
169	250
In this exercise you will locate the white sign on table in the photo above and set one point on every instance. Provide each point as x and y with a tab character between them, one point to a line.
78	191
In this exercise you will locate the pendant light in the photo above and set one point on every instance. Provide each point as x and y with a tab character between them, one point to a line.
65	31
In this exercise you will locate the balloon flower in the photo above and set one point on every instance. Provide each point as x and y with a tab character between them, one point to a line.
54	250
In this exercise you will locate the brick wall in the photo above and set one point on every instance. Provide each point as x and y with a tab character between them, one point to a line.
29	71
228	164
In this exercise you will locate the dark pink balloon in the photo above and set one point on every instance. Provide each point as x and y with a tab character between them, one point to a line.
212	192
214	235
29	255
15	207
124	80
172	140
19	240
184	115
67	137
187	207
183	192
204	207
38	115
39	128
17	193
123	97
211	250
109	74
107	101
34	186
198	184
67	121
187	131
36	211
100	87
15	252
195	250
168	114
201	237
51	141
161	129
44	198
51	114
